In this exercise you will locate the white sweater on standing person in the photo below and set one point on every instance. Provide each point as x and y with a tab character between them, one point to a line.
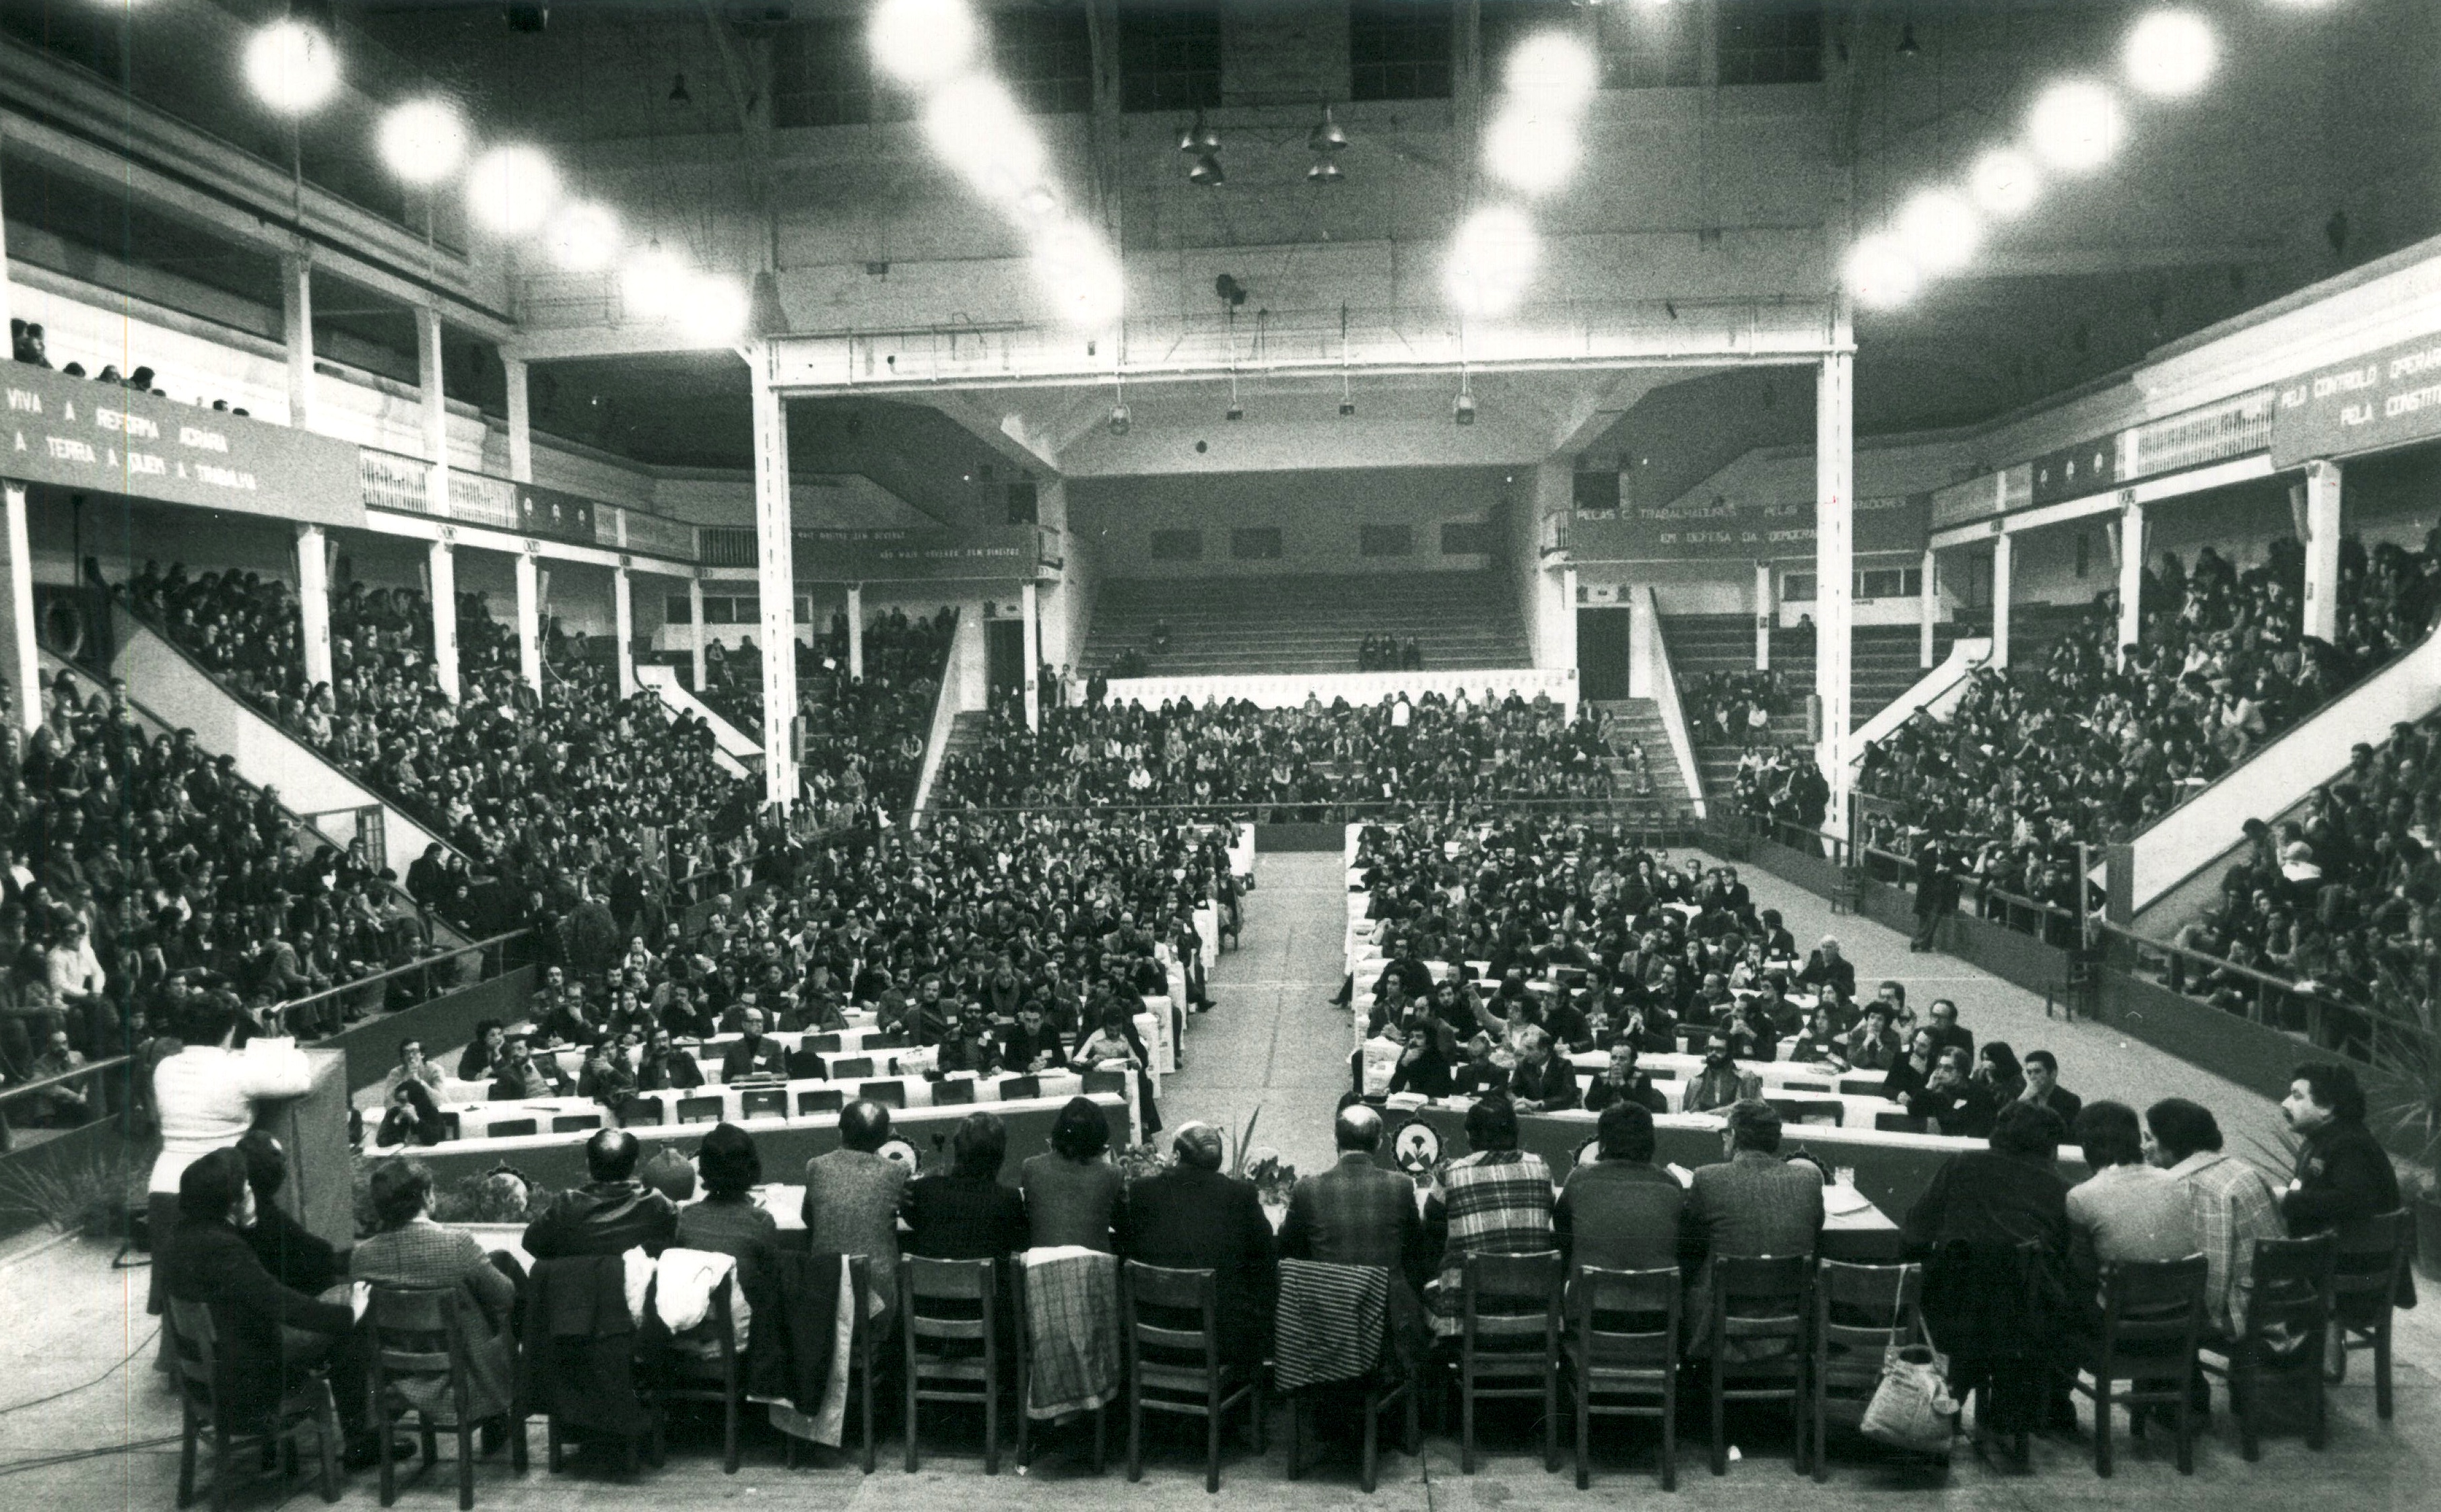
205	1098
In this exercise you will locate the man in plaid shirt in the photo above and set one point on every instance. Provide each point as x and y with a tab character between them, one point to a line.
1494	1201
2233	1203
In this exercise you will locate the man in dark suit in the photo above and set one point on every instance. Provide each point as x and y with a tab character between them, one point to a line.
1543	1080
426	878
610	1215
1032	1044
1191	1217
753	1055
1947	1033
2043	1089
965	1212
1358	1213
1753	1203
2344	1175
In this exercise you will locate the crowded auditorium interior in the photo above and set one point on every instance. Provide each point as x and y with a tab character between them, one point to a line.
1524	750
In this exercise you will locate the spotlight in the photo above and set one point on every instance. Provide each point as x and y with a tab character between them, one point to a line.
1235	412
1529	150
1325	172
1083	279
1348	406
1206	172
2075	126
510	189
1881	274
1118	420
1939	231
1908	47
1198	137
2005	182
679	95
583	238
1491	260
922	42
1464	411
423	140
652	283
1554	69
2170	53
976	126
1326	136
292	65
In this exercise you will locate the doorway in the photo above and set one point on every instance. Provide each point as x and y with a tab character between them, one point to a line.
1603	654
1005	659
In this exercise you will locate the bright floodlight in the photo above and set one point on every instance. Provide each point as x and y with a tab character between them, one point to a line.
711	307
1491	260
292	65
423	140
1553	70
922	42
2170	53
1881	274
1939	232
978	128
583	238
1081	276
652	283
510	190
2075	126
2005	182
1530	149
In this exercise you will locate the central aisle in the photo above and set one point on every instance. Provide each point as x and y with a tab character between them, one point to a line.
1274	1042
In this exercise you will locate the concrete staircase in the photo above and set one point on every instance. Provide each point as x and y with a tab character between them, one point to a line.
1465	622
1638	721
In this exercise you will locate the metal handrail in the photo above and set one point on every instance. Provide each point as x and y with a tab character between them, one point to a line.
95	1070
294	1008
2264	989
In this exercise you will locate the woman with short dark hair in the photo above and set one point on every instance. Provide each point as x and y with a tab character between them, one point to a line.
967	1213
728	1219
1072	1195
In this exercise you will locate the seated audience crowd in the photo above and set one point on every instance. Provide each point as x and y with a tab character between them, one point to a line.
1733	707
864	736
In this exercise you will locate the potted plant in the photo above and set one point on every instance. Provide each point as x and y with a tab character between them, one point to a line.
2403	1104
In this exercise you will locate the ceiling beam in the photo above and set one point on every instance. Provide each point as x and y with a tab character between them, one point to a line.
2082	259
1007	431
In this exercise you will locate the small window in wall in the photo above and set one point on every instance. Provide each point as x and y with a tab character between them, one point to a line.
1466	538
1399	49
1595	493
1796	587
1507	22
679	609
1023	502
805	609
1177	546
2084	552
1645	46
1889	583
1169	56
1255	543
822	75
1385	540
1771	42
1046	58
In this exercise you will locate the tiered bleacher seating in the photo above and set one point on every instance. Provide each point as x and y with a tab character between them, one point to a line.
1231	625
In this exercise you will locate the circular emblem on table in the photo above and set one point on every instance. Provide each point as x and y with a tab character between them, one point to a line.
899	1150
1589	1151
1416	1146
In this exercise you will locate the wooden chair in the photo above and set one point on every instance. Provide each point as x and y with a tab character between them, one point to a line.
859	1359
1497	1355
720	1378
421	1332
194	1341
2287	1315
1184	1373
1635	1367
1859	1312
2364	1291
1026	1385
1758	1299
938	1368
1379	1398
2152	1317
702	1110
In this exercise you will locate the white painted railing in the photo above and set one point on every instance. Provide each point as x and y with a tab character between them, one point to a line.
1663	684
730	744
1936	691
945	711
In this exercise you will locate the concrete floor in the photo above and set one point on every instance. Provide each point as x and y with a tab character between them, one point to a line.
69	1323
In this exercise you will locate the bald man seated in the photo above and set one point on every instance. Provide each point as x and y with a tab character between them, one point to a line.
1358	1213
1192	1218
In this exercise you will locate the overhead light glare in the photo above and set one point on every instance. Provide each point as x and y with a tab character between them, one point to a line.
2170	53
2004	182
1081	276
2076	126
510	190
1880	273
653	284
1552	69
1328	134
922	42
1939	231
1491	261
1530	151
293	66
712	307
423	140
976	127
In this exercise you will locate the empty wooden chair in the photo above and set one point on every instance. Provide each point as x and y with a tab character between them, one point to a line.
2282	1337
1386	1387
1859	1312
1509	1341
2152	1317
1759	1310
954	1353
1622	1356
308	1407
1180	1370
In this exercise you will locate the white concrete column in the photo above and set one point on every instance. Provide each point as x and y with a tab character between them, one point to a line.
436	410
442	568
520	422
775	576
1763	613
2131	577
1563	620
856	629
297	330
2003	550
6	299
314	599
530	620
23	660
2323	521
1834	519
1027	607
623	624
1927	608
695	623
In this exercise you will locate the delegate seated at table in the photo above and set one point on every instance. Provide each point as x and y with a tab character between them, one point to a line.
753	1055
